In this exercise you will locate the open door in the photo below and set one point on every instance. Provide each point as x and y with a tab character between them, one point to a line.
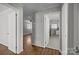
64	28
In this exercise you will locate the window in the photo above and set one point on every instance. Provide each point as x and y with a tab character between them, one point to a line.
28	24
54	26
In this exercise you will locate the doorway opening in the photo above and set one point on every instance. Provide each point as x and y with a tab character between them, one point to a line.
34	39
52	20
27	32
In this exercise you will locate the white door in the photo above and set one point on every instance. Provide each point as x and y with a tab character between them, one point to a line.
46	30
64	28
12	32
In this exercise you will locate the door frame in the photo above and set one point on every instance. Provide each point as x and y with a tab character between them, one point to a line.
64	35
45	32
18	10
48	33
62	42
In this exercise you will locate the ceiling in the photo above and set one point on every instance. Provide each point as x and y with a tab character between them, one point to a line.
30	8
3	8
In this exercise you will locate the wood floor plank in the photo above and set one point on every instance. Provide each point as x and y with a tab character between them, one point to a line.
30	49
5	51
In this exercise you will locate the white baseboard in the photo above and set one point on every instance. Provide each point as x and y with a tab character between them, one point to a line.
38	45
4	44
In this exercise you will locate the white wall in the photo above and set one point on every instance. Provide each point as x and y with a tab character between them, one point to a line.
39	29
76	25
73	33
70	26
4	27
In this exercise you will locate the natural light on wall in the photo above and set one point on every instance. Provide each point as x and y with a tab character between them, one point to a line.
54	26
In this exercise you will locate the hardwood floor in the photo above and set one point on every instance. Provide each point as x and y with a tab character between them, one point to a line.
30	49
5	51
40	51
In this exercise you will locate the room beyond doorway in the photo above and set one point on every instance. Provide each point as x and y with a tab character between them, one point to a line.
53	30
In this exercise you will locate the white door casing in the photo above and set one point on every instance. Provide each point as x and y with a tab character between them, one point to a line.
64	28
46	30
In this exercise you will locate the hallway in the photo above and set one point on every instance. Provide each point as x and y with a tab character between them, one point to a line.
30	49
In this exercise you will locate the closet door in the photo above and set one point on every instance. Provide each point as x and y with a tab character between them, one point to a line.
12	31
